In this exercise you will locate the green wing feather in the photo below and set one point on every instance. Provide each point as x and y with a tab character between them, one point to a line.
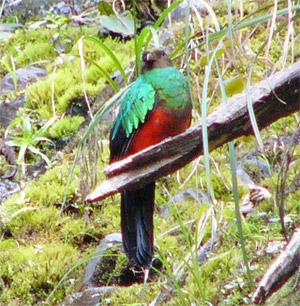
135	105
167	84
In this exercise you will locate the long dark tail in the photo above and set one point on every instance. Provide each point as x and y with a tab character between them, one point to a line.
137	224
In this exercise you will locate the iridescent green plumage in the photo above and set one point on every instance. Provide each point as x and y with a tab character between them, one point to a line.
165	84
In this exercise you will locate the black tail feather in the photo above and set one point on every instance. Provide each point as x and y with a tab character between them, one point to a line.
137	224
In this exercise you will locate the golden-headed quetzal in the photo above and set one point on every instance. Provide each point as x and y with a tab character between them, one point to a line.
158	105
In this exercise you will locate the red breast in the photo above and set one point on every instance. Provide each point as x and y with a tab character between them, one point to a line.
159	126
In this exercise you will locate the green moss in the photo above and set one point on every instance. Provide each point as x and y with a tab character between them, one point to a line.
32	272
36	210
65	127
31	46
30	221
136	295
76	232
35	51
50	188
68	79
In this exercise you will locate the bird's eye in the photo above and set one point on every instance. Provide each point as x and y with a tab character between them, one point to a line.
146	55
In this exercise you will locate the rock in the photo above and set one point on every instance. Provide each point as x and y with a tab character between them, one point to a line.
106	243
10	156
24	76
183	196
88	297
61	8
244	177
179	13
91	294
7	189
8	110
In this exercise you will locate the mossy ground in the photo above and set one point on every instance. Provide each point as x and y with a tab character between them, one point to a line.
48	232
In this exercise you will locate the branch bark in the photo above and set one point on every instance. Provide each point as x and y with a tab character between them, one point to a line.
283	267
276	97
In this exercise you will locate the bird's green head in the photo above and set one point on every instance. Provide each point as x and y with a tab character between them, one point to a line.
157	58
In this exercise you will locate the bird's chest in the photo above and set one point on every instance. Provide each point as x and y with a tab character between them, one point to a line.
160	125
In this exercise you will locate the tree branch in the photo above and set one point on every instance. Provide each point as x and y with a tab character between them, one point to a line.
274	98
282	268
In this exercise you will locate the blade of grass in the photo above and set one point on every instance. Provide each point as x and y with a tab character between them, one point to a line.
83	261
82	61
110	54
145	37
243	24
13	72
172	279
204	121
164	14
104	72
178	217
238	214
137	58
102	111
249	101
1	8
233	163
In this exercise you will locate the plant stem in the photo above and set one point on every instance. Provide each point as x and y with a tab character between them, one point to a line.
237	212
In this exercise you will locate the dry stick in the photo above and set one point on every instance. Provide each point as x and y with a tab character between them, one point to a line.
273	98
284	266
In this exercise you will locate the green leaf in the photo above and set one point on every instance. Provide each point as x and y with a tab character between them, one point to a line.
11	125
13	143
205	59
45	127
38	152
121	25
234	85
27	130
105	9
38	139
21	156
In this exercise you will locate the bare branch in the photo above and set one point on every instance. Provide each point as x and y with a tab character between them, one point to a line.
272	99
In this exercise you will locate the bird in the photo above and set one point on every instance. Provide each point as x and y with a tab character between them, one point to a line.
158	105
